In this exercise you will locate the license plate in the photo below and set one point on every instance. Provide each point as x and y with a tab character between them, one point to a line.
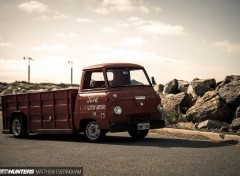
143	126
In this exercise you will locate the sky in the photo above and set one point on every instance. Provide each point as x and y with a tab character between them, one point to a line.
181	39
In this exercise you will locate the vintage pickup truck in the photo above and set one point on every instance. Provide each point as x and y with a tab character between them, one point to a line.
113	97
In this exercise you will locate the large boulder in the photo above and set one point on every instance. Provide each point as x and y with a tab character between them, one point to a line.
227	80
237	113
210	82
183	86
231	78
171	87
159	88
171	102
209	107
187	126
235	124
231	94
198	87
212	124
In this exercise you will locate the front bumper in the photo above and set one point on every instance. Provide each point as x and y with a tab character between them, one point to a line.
121	127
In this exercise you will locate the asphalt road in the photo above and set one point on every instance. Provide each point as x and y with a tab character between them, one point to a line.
119	154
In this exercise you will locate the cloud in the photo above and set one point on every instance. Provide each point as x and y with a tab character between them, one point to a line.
133	41
53	15
6	44
40	8
157	9
102	11
33	7
58	15
84	20
152	27
98	47
228	46
66	35
160	28
119	6
121	54
132	21
144	9
109	30
56	47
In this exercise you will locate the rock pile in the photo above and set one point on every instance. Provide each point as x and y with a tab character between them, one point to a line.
203	102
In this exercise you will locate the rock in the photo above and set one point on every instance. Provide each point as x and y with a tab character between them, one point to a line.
235	124
237	113
231	78
238	132
183	86
219	83
199	87
212	124
224	129
210	82
171	87
195	79
3	86
231	94
187	126
171	102
227	80
159	88
209	107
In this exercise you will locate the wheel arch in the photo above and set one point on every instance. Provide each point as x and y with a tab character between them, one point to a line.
83	122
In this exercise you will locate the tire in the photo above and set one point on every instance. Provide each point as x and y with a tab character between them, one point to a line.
92	132
138	134
18	127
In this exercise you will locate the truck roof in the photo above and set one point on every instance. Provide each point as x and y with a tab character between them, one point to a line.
112	65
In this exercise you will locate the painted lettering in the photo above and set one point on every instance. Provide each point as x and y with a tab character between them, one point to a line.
102	115
83	108
92	99
93	108
100	107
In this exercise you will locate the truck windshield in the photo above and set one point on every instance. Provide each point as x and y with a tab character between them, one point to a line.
122	77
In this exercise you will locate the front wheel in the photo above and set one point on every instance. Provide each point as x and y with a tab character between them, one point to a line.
138	134
18	128
92	132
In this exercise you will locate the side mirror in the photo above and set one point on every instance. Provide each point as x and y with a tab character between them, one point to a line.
153	81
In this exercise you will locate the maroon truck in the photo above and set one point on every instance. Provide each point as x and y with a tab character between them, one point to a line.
111	98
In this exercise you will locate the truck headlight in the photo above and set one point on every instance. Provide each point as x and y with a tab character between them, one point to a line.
118	110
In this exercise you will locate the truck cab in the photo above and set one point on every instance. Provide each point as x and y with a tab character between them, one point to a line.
117	97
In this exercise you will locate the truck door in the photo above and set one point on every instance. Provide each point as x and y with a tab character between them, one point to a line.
93	99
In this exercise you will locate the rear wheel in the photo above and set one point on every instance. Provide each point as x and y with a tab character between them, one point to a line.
92	132
18	127
138	134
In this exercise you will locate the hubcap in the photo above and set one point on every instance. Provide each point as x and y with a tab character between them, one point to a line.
93	131
16	127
